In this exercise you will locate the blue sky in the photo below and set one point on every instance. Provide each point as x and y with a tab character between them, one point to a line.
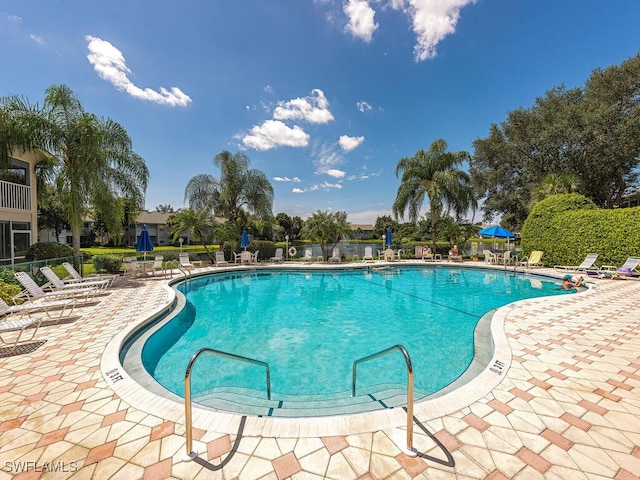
323	96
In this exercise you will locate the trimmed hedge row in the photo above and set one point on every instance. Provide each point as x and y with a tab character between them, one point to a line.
567	227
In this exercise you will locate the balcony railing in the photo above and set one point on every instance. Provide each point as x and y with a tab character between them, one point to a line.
15	196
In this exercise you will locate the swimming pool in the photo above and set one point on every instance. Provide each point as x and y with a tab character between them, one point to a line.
310	326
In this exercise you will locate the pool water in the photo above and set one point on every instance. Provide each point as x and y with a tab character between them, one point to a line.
310	326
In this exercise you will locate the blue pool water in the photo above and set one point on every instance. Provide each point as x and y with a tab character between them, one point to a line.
310	326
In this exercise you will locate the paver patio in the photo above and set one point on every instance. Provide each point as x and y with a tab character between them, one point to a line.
567	408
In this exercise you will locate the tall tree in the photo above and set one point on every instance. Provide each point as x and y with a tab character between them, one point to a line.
237	189
435	176
326	228
592	133
95	162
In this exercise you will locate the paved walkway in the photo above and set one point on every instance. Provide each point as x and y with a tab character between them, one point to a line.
567	408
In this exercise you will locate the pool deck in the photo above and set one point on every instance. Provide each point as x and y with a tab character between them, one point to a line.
566	406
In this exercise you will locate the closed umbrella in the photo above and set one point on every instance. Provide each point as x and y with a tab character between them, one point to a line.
244	240
387	238
144	242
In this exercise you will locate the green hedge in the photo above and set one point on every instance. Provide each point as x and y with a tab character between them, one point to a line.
567	227
107	263
8	291
47	250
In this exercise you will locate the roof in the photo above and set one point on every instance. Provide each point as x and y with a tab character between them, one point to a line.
361	226
153	218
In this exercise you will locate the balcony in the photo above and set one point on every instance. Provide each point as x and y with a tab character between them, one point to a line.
15	196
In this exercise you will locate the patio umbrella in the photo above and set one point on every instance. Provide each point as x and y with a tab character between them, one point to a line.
496	231
244	240
387	238
144	242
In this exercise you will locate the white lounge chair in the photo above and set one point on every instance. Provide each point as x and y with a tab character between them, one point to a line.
626	270
335	255
587	263
25	320
56	283
308	255
185	262
220	258
34	292
75	277
278	256
368	254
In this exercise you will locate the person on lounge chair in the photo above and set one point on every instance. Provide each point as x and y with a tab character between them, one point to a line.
568	283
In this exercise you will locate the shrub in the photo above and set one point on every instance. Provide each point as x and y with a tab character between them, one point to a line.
47	250
108	263
7	276
567	227
8	291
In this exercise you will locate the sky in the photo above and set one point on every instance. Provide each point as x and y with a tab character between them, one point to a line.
323	96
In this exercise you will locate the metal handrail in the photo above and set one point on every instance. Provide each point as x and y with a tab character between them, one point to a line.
407	359
187	389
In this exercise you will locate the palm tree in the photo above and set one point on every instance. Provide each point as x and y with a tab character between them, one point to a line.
198	222
433	174
325	227
94	160
237	189
555	183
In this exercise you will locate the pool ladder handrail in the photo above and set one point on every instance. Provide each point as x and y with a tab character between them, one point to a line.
409	451
190	455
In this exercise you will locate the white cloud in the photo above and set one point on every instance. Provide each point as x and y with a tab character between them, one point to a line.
363	106
432	21
362	22
313	108
349	143
335	173
110	65
274	133
317	186
287	179
37	39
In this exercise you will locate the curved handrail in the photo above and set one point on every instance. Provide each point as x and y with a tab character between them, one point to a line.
407	360
187	389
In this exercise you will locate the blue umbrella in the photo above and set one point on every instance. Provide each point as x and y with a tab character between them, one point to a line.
387	238
144	242
496	231
244	240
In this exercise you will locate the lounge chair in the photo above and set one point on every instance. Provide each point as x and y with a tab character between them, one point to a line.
368	254
185	262
220	258
533	260
34	292
625	271
9	324
278	256
308	255
75	277
586	264
335	256
427	254
55	283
